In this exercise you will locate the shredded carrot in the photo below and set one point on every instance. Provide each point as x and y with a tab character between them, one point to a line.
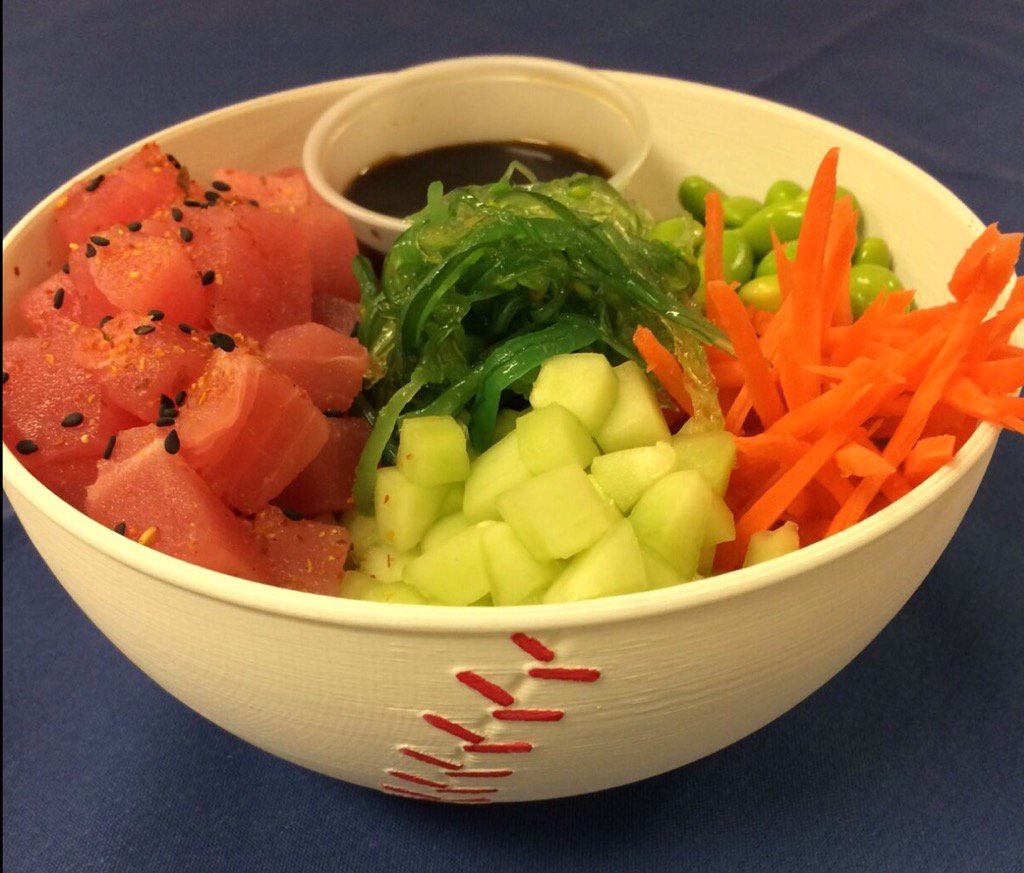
663	365
714	228
855	459
927	456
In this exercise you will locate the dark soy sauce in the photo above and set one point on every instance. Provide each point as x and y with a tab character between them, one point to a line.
398	185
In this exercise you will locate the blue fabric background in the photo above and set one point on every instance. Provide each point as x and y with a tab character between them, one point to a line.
911	759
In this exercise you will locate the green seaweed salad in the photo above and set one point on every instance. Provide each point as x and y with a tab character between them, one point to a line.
489	281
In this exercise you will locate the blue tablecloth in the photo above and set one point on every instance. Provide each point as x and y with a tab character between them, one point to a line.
911	759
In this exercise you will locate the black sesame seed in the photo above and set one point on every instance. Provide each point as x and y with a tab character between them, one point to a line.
6	376
168	412
156	314
174	161
166	402
109	450
211	196
135	226
193	204
104	320
164	420
90	250
58	298
291	513
254	202
100	240
219	185
185	234
185	328
143	329
222	341
65	268
177	214
121	527
72	419
26	447
208	278
179	398
95	183
333	413
172	443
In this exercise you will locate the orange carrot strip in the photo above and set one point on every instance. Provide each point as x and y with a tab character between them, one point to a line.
728	374
855	459
714	227
966	397
996	377
734	321
842	240
927	456
663	364
1000	327
961	281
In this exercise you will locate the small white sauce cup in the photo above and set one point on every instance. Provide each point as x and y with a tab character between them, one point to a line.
490	98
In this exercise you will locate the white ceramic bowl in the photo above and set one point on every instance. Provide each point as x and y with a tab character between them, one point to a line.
390	696
491	98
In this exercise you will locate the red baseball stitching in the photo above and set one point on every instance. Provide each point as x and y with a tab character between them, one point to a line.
475	743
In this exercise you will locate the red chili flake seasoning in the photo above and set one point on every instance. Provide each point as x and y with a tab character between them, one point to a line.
172	443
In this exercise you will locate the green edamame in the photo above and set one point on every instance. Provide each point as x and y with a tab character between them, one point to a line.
736	210
767	267
683	232
867	282
737	258
762	292
872	250
785	217
692	191
782	191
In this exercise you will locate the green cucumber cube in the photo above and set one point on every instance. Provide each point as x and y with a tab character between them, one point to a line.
363	532
558	513
453	572
613	565
515	574
359	586
721	529
712	454
635	419
660	573
625	475
432	450
490	476
384	563
552	437
404	509
768	544
453	499
672	518
584	383
443	529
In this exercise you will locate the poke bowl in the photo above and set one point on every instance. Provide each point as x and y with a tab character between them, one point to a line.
515	703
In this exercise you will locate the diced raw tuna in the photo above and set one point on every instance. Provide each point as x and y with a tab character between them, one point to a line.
327	365
144	271
136	360
332	241
166	505
248	429
326	484
303	555
46	307
144	183
53	403
251	294
337	313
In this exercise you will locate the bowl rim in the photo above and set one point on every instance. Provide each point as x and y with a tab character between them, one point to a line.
586	79
320	609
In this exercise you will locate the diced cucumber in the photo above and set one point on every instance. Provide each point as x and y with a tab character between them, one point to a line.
363	532
443	529
359	586
551	437
558	513
672	518
613	565
355	584
453	499
385	563
768	544
625	475
721	529
660	573
432	450
404	509
712	454
584	383
505	423
515	573
635	419
491	475
453	572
